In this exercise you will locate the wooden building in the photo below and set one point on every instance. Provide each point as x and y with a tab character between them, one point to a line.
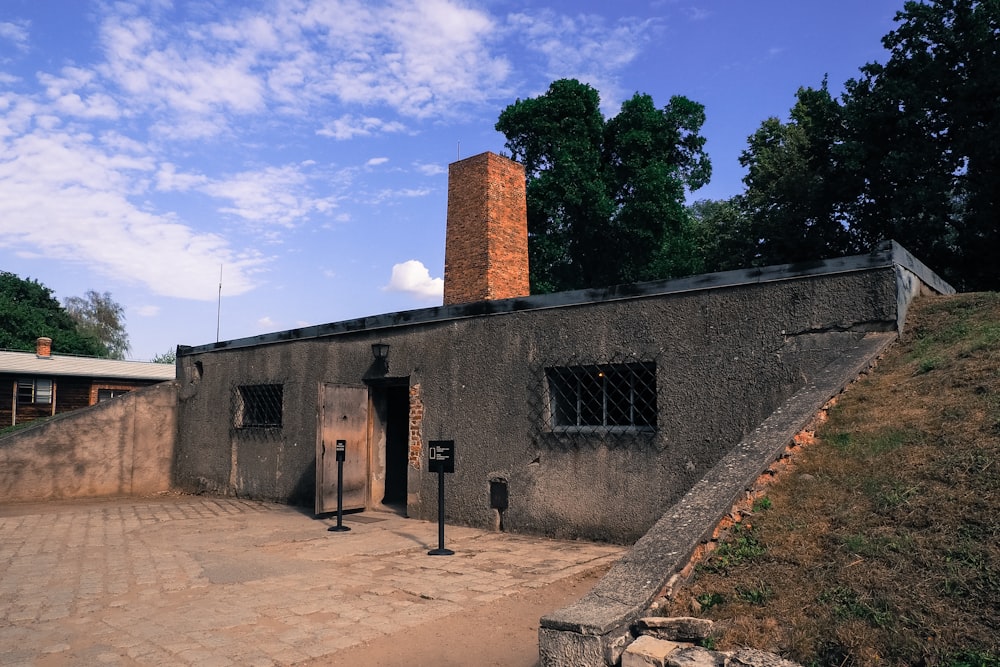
40	384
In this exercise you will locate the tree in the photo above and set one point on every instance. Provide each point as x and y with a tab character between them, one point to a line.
28	311
911	152
168	357
721	234
101	318
602	196
799	192
929	134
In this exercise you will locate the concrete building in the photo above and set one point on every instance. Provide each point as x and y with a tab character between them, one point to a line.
637	414
580	414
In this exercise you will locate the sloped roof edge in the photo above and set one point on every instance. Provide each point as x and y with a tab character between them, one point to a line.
886	255
28	363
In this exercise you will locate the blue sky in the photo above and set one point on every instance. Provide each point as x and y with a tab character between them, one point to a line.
302	146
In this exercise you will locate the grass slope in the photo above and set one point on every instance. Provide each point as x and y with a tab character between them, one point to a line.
881	545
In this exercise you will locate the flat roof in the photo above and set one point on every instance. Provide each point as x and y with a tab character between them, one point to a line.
888	254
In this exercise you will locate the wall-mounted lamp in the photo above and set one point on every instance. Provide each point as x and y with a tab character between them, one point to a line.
381	353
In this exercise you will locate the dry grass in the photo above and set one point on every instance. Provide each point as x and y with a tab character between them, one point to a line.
881	544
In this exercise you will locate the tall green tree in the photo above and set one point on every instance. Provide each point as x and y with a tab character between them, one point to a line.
28	311
910	151
927	130
799	190
100	317
603	195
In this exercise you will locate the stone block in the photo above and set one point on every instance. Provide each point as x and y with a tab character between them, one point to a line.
648	651
678	629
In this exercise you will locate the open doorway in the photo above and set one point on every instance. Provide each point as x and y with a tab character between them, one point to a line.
390	429
397	435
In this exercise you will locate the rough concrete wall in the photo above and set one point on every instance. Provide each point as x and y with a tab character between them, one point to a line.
725	359
124	446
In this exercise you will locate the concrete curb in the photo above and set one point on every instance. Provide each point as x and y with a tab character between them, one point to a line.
596	629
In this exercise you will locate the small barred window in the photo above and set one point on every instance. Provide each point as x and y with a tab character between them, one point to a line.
258	406
602	397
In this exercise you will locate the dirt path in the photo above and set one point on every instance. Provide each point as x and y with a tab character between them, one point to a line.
502	635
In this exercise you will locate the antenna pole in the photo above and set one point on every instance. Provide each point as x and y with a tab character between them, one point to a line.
218	312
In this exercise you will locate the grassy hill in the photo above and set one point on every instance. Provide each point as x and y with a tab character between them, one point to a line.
881	544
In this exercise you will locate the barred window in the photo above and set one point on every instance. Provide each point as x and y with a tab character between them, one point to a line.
603	397
258	406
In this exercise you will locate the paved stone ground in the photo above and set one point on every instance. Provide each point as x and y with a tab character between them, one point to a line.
204	581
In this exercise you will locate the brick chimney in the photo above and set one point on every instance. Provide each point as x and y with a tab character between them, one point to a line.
43	347
486	250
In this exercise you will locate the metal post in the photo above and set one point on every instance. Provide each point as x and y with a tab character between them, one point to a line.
340	527
440	551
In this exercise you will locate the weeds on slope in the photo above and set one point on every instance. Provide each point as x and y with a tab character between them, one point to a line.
881	545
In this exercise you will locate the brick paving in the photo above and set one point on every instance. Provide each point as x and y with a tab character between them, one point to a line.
219	581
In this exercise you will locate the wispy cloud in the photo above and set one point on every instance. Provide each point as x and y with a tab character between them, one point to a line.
274	195
15	32
418	60
584	47
348	127
98	165
68	196
412	277
429	169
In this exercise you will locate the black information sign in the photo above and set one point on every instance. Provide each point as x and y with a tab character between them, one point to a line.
441	459
441	455
341	454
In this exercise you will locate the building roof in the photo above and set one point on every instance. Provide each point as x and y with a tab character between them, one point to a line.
888	254
29	363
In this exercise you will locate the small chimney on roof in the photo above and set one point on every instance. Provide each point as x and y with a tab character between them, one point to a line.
486	250
43	347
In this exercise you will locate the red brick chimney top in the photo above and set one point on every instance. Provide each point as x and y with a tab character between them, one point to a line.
43	347
486	249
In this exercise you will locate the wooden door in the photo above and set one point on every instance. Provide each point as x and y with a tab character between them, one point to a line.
343	415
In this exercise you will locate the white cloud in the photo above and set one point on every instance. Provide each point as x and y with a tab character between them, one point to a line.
148	311
91	171
176	72
421	60
67	195
402	193
15	32
412	277
348	127
429	169
266	323
168	180
65	93
275	195
584	47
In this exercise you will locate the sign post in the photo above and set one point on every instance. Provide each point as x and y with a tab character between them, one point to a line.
441	459
341	455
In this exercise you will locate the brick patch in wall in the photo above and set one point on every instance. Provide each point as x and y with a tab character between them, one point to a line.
416	446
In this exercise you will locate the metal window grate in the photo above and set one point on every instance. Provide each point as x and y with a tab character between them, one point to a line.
605	396
579	400
258	406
